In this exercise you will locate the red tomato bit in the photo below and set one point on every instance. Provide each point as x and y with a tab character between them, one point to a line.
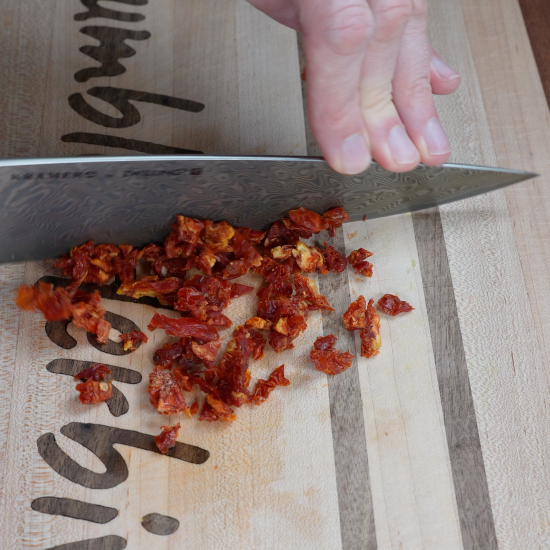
392	305
92	392
356	315
167	437
97	372
131	339
370	335
265	387
328	359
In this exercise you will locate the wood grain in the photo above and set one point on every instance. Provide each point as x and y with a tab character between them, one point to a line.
384	471
470	482
499	328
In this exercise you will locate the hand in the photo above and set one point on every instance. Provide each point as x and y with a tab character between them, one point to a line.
371	73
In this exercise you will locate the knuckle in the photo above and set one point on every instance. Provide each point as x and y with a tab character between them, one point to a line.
391	17
348	28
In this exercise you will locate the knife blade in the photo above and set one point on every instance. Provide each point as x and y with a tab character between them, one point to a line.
48	206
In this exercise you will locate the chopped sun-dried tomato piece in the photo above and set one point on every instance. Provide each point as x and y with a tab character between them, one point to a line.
97	372
253	236
392	305
92	392
327	359
220	410
184	238
277	275
238	290
358	260
356	315
334	260
55	305
279	235
184	327
265	387
131	339
335	217
88	314
307	290
370	336
208	351
167	437
153	287
193	409
258	322
312	221
164	392
279	342
308	258
325	343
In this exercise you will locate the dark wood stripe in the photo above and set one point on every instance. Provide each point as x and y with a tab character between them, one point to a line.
470	482
536	14
346	406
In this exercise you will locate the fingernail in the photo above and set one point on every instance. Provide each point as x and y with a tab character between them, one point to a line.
435	137
443	70
355	155
401	146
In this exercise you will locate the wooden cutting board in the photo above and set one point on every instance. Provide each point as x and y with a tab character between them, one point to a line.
440	442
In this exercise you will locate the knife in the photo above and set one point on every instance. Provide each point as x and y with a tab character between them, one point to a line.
48	206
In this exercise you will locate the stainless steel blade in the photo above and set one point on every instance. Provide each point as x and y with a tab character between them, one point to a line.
48	206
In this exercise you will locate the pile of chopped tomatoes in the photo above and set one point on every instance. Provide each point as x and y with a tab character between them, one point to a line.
192	272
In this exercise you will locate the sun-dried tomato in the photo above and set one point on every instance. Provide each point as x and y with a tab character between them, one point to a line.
184	327
97	372
182	241
328	359
165	356
325	343
334	218
125	263
279	342
312	221
358	260
244	250
98	264
164	392
220	410
131	339
279	235
356	315
334	260
163	290
265	387
193	409
238	290
218	235
370	336
308	258
258	322
392	305
92	392
253	236
55	305
277	275
307	290
88	314
205	297
167	437
206	352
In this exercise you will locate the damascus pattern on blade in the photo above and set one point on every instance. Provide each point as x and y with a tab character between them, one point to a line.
49	206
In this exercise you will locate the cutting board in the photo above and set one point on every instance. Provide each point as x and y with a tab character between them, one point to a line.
439	442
